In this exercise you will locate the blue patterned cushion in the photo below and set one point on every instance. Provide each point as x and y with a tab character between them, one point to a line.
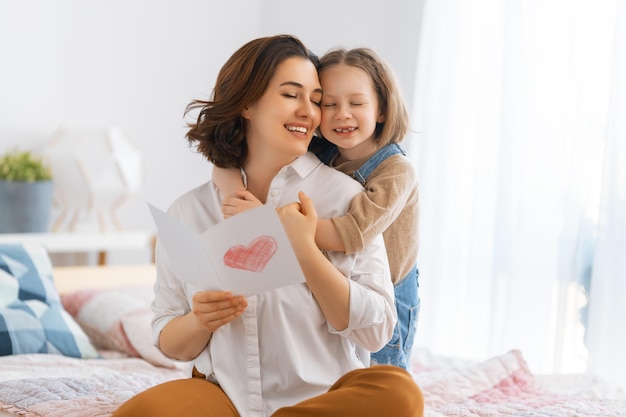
32	318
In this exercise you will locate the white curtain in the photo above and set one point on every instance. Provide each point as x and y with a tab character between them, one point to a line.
607	327
521	153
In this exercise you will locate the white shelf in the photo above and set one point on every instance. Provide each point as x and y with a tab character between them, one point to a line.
73	242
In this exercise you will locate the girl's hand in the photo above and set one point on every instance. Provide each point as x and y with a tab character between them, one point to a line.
299	221
214	309
241	201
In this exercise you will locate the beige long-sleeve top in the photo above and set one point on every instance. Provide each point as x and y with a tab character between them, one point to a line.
389	205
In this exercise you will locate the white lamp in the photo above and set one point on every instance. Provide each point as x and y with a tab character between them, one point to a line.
95	171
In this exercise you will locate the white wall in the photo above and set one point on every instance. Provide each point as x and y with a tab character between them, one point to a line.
391	28
136	64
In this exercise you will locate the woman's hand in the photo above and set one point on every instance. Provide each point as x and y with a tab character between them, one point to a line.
241	201
214	309
299	221
184	337
327	284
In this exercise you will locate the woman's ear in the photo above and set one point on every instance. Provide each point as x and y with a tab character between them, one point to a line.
245	113
381	118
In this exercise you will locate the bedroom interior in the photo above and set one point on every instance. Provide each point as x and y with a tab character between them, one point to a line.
518	143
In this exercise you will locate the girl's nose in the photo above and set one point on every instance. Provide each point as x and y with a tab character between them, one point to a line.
343	112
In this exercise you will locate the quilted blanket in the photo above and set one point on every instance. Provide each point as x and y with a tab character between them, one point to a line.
73	387
49	385
504	386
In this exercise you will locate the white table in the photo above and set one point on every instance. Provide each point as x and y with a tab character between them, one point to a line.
99	242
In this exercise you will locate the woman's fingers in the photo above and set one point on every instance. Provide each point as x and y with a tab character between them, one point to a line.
215	320
307	206
216	308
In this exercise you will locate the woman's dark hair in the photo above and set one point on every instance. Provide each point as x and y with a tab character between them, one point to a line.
219	131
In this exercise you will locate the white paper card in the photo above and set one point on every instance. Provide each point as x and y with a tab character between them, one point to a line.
246	254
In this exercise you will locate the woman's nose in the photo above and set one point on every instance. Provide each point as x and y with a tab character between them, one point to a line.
307	109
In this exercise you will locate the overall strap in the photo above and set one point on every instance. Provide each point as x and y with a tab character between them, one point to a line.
363	173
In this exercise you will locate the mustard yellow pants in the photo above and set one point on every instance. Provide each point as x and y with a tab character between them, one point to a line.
378	391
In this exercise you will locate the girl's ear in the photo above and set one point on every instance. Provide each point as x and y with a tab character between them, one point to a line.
381	118
245	113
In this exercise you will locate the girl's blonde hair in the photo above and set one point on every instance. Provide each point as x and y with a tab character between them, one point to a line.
390	101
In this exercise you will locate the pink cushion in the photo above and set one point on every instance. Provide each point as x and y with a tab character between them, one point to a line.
117	319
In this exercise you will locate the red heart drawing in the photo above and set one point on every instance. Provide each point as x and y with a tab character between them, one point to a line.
253	257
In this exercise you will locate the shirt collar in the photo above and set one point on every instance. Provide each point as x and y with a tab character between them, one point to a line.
302	166
305	164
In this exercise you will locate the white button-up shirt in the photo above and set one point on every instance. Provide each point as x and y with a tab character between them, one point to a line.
282	350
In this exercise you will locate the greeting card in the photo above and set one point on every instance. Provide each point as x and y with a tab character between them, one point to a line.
246	254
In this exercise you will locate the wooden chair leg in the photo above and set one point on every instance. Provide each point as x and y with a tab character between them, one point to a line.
102	258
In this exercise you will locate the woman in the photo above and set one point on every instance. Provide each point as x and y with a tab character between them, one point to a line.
298	350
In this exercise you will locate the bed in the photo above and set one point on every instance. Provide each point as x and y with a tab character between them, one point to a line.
110	307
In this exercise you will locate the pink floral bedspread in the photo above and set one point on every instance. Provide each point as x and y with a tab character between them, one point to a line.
504	386
49	385
58	386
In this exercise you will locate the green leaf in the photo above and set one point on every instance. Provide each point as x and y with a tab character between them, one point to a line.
23	166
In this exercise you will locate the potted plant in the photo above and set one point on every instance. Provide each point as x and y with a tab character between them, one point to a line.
25	193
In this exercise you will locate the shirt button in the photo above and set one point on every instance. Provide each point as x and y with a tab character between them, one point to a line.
275	193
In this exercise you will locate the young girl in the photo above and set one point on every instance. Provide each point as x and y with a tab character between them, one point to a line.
363	120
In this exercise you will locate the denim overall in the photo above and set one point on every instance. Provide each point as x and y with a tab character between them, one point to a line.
398	350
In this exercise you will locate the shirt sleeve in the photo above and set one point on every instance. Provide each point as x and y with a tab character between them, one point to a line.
373	313
170	299
373	210
170	295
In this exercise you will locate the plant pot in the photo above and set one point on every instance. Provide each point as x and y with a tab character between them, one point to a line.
25	206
